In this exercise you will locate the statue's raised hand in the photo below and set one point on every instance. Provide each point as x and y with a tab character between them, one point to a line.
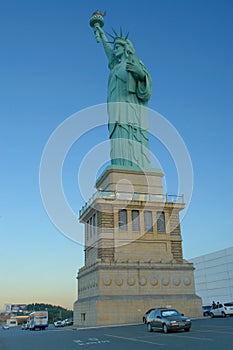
99	30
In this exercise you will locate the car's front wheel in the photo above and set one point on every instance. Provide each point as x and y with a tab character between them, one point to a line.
223	314
211	314
165	329
149	328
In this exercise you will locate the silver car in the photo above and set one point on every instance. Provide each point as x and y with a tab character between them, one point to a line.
167	320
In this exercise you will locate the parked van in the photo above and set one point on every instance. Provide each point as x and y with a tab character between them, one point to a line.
38	320
12	322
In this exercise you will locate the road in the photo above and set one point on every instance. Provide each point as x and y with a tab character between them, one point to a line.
205	334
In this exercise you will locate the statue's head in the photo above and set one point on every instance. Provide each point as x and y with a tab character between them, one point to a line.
119	39
126	43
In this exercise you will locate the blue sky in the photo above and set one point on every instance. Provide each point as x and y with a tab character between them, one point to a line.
51	67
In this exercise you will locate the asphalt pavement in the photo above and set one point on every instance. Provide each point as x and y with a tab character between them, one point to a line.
205	334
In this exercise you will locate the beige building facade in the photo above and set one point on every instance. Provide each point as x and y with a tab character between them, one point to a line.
133	251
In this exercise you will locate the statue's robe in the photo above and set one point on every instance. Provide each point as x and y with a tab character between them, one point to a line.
128	117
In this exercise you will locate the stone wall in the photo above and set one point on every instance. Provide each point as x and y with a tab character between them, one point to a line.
125	310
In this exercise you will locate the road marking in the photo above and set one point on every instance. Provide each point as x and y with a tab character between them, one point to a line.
133	339
90	341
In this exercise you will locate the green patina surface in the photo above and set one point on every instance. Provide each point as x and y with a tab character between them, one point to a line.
129	90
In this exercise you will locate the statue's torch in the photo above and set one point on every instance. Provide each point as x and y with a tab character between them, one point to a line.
97	19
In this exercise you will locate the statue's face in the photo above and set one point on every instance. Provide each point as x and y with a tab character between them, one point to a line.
118	50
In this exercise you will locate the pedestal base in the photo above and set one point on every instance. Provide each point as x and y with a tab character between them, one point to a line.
101	311
121	293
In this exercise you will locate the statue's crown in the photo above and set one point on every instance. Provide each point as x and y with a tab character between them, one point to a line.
119	38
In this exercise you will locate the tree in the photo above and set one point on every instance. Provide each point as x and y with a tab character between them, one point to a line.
54	312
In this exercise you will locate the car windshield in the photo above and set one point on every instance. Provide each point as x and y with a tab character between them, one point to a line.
228	304
149	311
169	313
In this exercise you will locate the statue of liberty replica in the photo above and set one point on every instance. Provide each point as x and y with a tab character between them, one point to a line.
133	243
129	90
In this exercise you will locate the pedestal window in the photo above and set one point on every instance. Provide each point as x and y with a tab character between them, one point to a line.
135	220
122	220
148	221
88	229
94	224
91	227
160	221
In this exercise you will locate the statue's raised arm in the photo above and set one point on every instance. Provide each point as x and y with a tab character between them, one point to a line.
107	46
129	90
97	22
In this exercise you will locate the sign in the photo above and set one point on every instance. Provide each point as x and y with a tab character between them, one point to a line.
8	308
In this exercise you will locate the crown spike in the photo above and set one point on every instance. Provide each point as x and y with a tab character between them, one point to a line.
121	33
127	36
114	32
113	37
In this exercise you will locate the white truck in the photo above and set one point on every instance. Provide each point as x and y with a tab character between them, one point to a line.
38	320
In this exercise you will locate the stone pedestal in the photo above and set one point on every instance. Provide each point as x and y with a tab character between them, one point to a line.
121	179
133	251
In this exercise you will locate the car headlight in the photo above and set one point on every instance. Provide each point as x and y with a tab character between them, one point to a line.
188	320
173	322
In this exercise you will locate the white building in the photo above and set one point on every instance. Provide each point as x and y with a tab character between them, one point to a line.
214	276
